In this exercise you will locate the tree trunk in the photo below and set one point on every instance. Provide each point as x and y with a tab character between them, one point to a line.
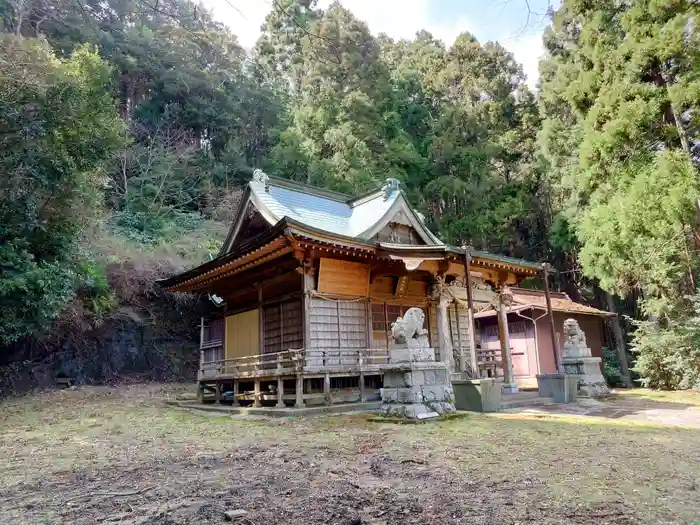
619	341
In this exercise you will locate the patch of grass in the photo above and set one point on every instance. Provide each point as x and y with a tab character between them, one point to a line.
53	438
690	397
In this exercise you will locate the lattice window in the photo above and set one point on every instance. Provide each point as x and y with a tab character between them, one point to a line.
212	332
211	354
338	324
282	326
459	327
383	315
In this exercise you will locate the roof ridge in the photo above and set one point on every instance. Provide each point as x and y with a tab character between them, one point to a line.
302	187
350	200
535	291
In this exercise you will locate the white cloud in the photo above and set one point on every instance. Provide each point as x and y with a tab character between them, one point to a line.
403	18
528	50
396	18
243	17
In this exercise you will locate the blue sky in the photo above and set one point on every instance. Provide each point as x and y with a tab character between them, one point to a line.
504	20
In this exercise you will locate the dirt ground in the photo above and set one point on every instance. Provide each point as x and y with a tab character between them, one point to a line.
634	405
104	455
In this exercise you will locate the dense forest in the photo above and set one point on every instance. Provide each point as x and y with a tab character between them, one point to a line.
129	126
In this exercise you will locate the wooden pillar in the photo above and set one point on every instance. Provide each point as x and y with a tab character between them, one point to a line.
444	332
235	393
509	385
550	313
307	287
299	401
261	321
217	395
256	393
327	388
619	341
361	362
474	361
201	332
200	371
459	343
280	382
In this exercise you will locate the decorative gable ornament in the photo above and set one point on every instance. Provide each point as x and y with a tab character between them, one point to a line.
262	177
390	186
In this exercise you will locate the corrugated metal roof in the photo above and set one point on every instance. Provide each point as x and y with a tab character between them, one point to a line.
321	212
524	299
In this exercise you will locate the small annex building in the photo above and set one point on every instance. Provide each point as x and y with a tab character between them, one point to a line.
528	327
308	283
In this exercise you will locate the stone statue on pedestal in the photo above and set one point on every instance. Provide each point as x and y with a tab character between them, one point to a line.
415	385
409	329
577	360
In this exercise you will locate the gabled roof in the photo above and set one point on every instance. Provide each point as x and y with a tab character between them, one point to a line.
359	218
299	215
525	299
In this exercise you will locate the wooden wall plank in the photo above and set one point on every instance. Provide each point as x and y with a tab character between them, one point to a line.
343	277
242	334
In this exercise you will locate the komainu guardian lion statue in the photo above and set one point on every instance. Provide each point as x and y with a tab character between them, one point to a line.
573	334
408	327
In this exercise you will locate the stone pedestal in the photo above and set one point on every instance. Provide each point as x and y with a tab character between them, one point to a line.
577	360
477	395
562	388
591	382
415	385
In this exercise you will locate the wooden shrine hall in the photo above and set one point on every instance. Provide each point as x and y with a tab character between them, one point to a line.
308	283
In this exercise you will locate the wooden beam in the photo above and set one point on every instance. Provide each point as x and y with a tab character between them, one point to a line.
509	385
280	382
299	395
550	314
443	326
327	388
307	286
470	312
261	320
256	391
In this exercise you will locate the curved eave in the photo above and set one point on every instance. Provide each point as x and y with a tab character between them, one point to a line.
479	259
571	311
244	254
263	254
530	270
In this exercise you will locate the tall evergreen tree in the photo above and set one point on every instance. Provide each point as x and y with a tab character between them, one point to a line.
619	93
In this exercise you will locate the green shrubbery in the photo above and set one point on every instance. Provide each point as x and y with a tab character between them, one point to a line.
59	126
611	368
668	349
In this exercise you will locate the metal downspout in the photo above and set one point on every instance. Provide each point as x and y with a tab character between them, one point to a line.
537	343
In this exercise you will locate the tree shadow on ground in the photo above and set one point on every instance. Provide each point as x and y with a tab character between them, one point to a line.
635	408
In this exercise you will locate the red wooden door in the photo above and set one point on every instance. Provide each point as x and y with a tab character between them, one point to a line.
520	342
521	345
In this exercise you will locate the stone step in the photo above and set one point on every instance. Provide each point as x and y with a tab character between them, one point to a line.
524	399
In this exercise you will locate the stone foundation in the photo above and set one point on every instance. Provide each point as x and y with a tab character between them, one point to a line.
562	388
591	382
415	385
577	360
